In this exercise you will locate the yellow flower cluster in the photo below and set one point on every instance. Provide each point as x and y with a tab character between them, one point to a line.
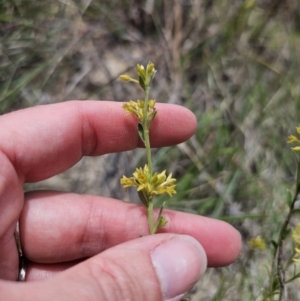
257	243
148	186
145	76
147	183
137	108
294	139
296	239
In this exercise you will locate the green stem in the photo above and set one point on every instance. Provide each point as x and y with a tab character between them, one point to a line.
147	130
280	273
150	218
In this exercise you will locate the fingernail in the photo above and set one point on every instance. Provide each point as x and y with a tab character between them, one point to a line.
179	263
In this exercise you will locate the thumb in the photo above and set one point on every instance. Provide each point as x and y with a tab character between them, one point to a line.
151	268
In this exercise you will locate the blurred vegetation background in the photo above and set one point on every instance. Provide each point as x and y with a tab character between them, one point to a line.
235	64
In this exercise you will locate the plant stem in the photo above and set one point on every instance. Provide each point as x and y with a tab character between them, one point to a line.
150	217
278	253
147	130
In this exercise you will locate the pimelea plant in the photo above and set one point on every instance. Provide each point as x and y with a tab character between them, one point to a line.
147	183
281	260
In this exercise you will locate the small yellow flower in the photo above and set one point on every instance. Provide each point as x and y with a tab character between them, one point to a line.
257	243
137	108
149	185
151	103
296	260
294	139
140	70
127	78
150	68
297	251
145	75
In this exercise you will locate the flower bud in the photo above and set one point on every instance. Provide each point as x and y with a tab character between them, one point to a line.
151	103
125	78
140	70
150	68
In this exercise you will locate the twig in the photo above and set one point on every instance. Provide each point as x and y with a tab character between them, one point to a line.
281	238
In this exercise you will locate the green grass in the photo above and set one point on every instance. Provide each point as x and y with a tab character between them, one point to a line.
233	63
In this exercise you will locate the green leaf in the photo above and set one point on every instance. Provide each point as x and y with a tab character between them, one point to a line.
295	276
142	82
275	285
161	222
141	132
144	198
274	244
152	117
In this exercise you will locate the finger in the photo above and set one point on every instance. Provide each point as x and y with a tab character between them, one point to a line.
158	267
46	140
39	142
11	203
93	224
40	271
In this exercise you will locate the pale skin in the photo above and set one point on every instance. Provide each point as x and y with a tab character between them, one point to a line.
91	245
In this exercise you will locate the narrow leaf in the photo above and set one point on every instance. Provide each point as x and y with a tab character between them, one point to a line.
152	117
144	198
141	132
142	82
274	244
161	222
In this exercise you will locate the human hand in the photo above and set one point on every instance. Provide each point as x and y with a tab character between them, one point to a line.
87	247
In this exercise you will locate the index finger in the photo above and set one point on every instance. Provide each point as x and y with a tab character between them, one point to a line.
46	140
